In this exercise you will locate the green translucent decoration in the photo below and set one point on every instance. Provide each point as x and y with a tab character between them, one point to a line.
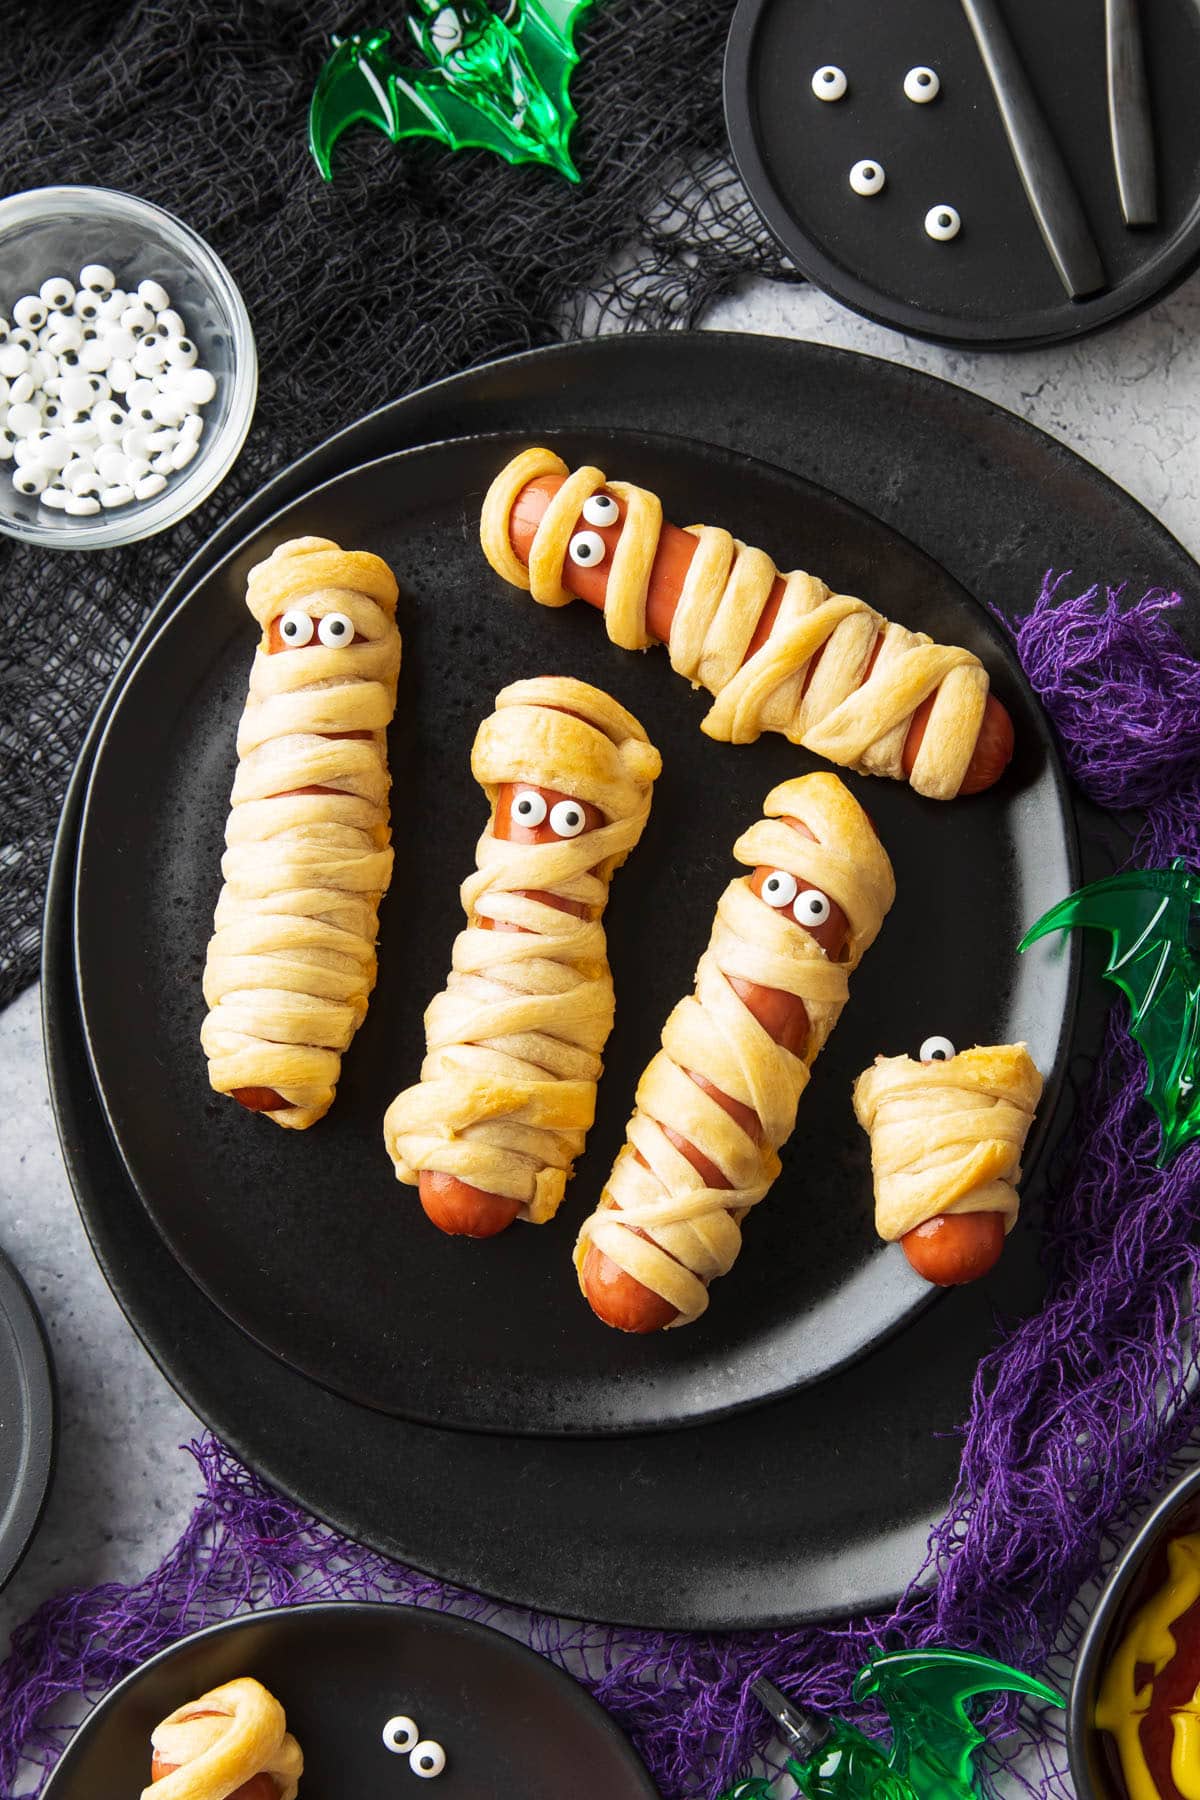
493	83
1152	917
924	1693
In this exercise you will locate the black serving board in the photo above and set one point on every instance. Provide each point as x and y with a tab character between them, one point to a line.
513	1726
27	1419
994	286
304	1239
639	1531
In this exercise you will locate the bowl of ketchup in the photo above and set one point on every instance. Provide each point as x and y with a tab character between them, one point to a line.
1133	1721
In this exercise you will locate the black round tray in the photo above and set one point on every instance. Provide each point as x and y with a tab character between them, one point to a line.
639	1530
994	286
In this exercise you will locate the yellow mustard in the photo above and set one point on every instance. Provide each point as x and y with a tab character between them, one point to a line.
1121	1706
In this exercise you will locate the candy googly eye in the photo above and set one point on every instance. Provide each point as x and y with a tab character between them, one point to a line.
401	1734
529	808
335	630
867	178
97	279
31	312
567	819
779	889
587	549
811	908
943	223
296	628
829	82
921	85
57	292
428	1759
937	1049
601	509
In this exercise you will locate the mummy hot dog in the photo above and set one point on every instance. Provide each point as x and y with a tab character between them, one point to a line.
947	1134
778	652
720	1097
231	1744
508	1085
292	958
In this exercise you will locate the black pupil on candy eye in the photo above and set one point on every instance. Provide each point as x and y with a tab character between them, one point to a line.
943	220
571	817
290	628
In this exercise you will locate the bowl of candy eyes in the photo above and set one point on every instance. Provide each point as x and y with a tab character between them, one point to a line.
128	372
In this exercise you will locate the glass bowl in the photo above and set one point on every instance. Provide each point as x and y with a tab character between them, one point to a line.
55	231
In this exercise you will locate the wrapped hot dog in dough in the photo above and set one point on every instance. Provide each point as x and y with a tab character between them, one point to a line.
230	1744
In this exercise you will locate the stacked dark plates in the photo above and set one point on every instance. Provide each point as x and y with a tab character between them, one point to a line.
454	1404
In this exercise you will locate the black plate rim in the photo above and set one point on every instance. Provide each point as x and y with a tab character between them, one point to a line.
880	1575
571	1693
917	1300
36	1377
1080	318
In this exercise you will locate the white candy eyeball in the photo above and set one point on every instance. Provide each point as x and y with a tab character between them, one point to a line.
57	292
779	889
25	339
14	360
81	506
198	386
149	486
31	478
921	85
86	305
867	177
529	808
587	549
401	1734
170	322
936	1049
811	908
180	351
601	509
428	1759
943	223
97	278
335	629
295	627
153	295
137	318
829	82
31	312
567	819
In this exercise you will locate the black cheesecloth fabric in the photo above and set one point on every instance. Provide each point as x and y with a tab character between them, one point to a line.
414	263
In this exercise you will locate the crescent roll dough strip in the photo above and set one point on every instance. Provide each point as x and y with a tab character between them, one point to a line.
947	1137
828	707
214	1756
693	1232
292	958
514	1041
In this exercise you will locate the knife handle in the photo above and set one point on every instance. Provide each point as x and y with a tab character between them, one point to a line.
1129	119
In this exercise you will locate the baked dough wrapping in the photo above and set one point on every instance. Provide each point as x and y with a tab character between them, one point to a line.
291	962
514	1041
692	1233
947	1137
859	724
244	1735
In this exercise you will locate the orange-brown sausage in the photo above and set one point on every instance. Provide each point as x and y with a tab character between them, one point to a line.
259	1787
454	1206
955	1247
617	1297
993	750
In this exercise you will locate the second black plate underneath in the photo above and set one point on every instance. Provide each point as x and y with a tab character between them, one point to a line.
305	1239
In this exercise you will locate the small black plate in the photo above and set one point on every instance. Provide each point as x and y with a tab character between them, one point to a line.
512	1725
305	1240
993	286
27	1419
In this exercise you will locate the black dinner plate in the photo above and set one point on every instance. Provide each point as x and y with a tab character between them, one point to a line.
27	1419
304	1239
513	1726
993	286
639	1532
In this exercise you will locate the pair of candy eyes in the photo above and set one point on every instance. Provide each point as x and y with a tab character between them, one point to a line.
333	629
426	1757
567	817
809	905
587	548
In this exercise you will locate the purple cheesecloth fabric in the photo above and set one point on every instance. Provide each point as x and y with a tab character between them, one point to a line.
1076	1415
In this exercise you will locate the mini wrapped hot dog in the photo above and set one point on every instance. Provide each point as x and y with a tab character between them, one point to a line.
947	1132
779	652
231	1744
515	1040
720	1097
308	856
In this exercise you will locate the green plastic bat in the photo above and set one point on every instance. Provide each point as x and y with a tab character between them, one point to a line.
1153	917
494	83
924	1693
